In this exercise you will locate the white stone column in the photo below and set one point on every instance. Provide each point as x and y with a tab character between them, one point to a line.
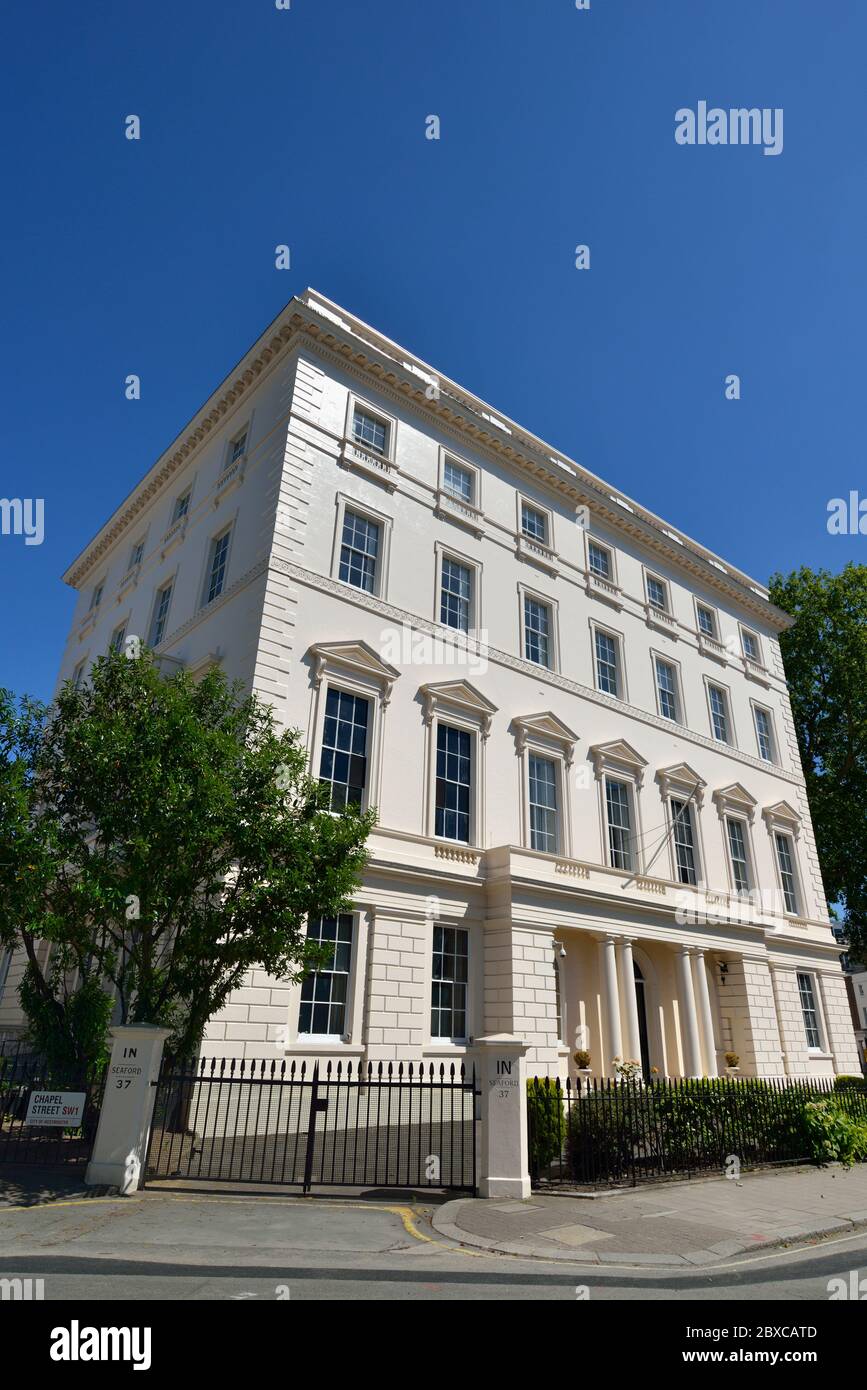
503	1150
781	1022
705	1013
611	996
120	1148
688	1015
626	971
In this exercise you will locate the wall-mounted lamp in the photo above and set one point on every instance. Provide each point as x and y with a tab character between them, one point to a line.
562	951
723	971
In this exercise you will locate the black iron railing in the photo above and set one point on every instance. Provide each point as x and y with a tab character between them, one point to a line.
373	1125
620	1132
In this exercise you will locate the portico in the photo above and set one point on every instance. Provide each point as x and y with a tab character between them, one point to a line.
648	1001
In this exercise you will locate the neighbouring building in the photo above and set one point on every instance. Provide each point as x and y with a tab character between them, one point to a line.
573	719
856	985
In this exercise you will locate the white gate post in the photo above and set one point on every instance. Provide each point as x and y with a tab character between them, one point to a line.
503	1158
127	1106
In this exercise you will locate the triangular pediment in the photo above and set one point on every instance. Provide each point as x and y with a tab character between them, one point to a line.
618	750
357	656
545	726
680	775
460	693
618	754
783	814
735	797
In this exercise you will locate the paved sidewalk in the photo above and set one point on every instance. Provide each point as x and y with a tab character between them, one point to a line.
701	1222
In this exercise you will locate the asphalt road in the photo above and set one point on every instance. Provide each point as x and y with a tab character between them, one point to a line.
211	1248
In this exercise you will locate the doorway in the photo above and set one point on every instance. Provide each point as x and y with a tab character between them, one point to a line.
642	1021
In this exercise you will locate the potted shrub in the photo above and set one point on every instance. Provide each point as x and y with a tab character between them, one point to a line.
732	1063
581	1058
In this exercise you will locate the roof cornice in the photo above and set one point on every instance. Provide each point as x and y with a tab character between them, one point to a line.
317	320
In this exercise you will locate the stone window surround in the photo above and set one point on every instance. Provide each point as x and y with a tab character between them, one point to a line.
815	978
476	625
357	669
526	591
165	581
732	741
350	1042
656	655
735	803
344	502
188	491
590	577
620	761
648	573
460	705
121	625
702	603
384	417
467	514
775	743
520	499
622	680
783	819
230	526
751	632
438	1043
684	784
546	735
245	429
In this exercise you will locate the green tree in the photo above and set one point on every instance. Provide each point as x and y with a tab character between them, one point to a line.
158	838
825	656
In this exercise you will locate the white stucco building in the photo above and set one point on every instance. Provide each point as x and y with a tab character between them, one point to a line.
593	829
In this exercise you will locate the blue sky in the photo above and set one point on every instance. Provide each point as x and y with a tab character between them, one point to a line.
307	127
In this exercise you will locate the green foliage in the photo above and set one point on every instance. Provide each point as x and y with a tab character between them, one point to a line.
850	1083
65	1024
602	1131
700	1124
825	657
546	1122
834	1136
162	837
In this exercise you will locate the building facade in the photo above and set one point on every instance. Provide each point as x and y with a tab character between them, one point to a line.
856	985
572	719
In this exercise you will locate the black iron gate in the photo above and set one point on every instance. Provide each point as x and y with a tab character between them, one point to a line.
386	1125
25	1137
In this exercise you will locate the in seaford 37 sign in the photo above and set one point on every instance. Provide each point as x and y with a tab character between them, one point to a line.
56	1109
